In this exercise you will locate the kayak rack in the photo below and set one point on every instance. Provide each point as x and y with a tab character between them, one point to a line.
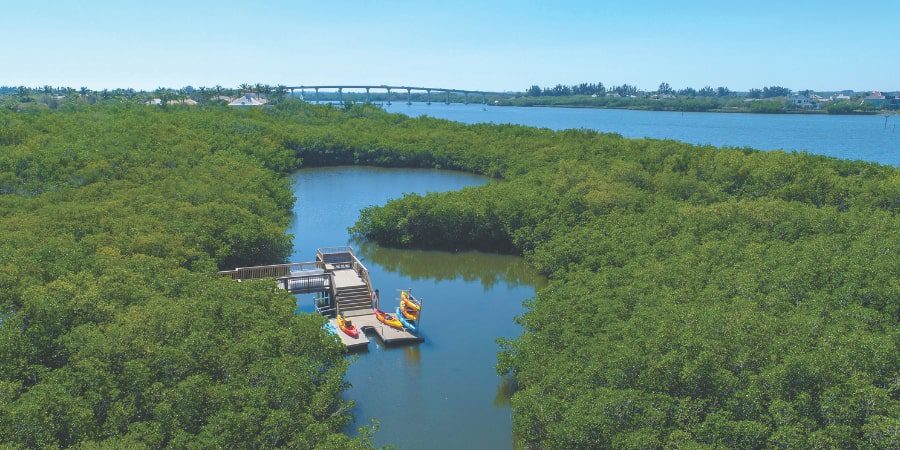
343	286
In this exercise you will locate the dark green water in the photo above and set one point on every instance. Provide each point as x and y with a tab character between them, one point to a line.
444	392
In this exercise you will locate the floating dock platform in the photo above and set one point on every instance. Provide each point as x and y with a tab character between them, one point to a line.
369	324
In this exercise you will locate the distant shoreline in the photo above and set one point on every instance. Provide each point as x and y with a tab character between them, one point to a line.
730	111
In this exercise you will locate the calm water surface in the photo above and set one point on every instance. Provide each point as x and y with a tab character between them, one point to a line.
443	393
869	138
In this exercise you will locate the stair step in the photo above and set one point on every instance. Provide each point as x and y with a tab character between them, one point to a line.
343	305
353	290
356	312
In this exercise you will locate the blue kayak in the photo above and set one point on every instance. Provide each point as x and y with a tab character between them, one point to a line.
329	327
406	324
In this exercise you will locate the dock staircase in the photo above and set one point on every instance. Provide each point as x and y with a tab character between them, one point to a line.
354	300
352	287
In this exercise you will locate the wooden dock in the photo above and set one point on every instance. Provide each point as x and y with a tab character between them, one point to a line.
344	285
368	324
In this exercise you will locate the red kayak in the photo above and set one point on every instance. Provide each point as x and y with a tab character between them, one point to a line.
347	327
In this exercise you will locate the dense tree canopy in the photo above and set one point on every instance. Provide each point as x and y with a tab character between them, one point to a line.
699	297
115	331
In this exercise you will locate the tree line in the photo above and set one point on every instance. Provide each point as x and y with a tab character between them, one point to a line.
664	88
55	95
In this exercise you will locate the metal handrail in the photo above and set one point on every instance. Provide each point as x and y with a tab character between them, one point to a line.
269	271
331	250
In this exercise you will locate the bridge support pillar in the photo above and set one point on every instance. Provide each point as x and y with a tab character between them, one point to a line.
408	96
317	96
367	95
429	97
341	95
389	96
448	98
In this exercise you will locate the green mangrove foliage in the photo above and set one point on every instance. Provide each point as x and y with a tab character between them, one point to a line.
700	297
115	331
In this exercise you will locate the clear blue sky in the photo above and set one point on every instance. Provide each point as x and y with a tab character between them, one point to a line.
475	44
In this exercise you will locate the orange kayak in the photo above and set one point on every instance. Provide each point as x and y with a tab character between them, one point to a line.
409	314
347	327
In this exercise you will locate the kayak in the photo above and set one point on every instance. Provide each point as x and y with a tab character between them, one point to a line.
409	306
409	314
347	327
409	302
388	319
329	327
406	323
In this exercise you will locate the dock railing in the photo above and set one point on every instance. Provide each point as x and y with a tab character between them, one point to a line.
270	271
313	276
363	273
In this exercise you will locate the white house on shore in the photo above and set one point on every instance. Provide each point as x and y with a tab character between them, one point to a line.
876	99
803	101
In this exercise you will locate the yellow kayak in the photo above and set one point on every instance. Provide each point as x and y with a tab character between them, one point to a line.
388	319
407	301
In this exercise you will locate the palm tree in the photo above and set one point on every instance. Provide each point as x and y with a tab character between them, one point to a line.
280	92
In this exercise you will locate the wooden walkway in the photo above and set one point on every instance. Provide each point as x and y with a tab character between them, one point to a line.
347	278
343	281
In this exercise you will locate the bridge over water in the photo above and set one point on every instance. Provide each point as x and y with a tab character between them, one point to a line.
389	89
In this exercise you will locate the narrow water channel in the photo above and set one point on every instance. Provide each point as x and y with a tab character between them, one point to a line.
444	392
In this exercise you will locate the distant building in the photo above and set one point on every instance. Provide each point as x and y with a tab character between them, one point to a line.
876	99
223	98
248	99
185	102
802	101
154	102
840	97
892	101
